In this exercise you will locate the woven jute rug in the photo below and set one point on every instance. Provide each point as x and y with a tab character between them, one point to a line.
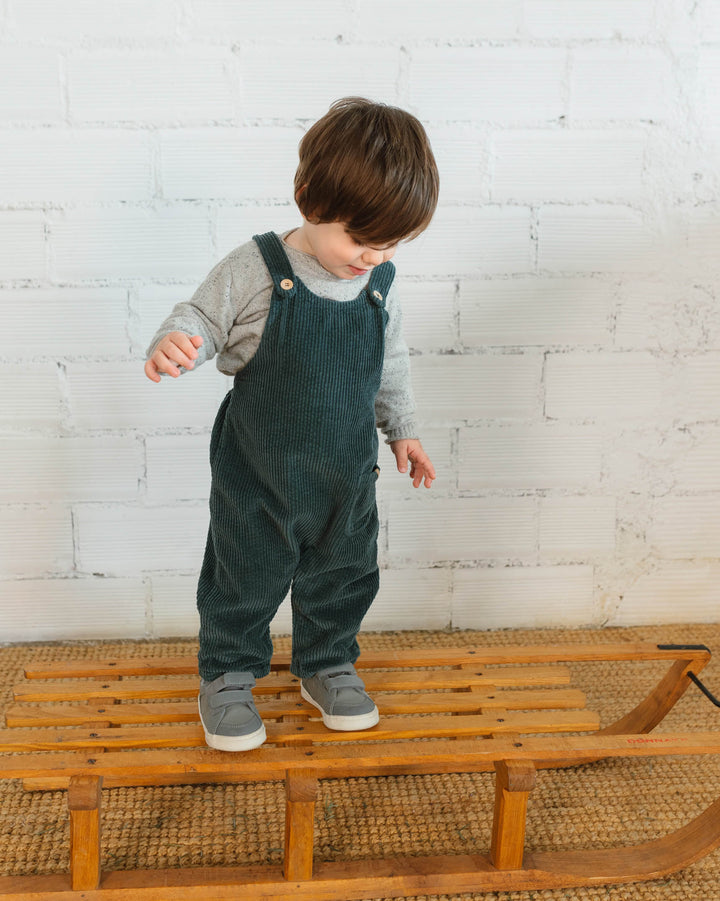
605	804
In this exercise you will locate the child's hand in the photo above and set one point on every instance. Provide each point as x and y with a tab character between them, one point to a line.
175	349
420	465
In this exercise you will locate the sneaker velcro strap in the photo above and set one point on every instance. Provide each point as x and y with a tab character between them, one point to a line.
238	680
230	696
345	681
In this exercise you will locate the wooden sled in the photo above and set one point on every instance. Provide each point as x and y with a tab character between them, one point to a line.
85	725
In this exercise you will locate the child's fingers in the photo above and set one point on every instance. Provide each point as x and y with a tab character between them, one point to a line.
422	469
165	364
182	352
401	455
151	371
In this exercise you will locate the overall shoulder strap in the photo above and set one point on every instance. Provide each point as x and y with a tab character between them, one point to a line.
380	281
276	261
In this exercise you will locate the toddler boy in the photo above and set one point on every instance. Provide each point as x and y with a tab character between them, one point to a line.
308	322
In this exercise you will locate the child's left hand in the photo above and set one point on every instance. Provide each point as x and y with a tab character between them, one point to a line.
420	464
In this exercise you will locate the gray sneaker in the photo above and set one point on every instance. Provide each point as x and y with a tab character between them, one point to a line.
228	713
339	694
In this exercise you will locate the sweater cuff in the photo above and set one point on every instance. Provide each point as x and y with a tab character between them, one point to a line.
406	430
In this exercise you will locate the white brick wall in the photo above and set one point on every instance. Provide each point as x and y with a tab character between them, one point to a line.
575	166
526	458
76	166
529	311
626	82
498	84
562	310
188	86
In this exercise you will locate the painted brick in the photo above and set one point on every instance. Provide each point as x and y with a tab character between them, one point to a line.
577	529
466	241
131	244
671	593
524	597
599	19
666	313
696	388
535	312
174	611
480	20
51	469
570	165
229	164
530	457
63	165
463	160
491	84
703	232
236	225
411	599
428	312
29	396
82	20
467	387
263	20
72	609
685	527
707	15
645	456
192	86
65	322
281	623
35	541
601	76
178	468
708	85
123	540
432	530
30	84
603	386
120	396
695	468
269	92
22	238
595	239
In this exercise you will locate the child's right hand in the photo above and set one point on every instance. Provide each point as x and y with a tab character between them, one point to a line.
175	349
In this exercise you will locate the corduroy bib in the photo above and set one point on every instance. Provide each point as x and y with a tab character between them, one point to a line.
294	464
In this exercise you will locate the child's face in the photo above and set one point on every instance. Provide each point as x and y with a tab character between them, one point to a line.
338	252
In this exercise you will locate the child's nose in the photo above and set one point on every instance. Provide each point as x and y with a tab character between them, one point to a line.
373	257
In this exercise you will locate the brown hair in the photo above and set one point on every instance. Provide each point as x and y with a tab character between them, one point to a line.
370	166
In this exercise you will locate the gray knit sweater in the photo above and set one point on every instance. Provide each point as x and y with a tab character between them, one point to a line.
230	308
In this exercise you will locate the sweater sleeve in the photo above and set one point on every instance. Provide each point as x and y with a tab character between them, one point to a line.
395	403
209	313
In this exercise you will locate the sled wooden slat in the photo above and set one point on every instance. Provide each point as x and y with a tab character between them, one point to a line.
388	704
390	729
187	686
84	725
426	657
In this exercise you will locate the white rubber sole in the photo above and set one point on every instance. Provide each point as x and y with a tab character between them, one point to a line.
234	742
344	723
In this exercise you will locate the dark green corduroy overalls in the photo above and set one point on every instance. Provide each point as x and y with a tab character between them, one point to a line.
293	455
